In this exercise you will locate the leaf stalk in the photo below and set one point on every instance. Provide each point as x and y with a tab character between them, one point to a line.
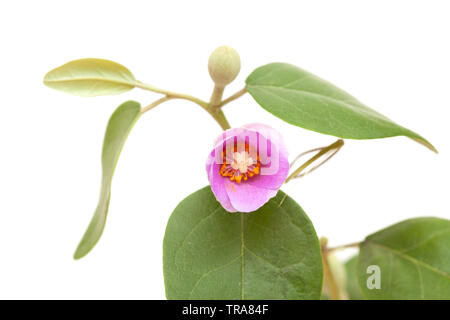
335	147
212	107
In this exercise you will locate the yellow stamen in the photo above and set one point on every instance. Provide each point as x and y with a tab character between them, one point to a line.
242	167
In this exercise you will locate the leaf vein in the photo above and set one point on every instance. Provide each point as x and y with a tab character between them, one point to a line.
411	259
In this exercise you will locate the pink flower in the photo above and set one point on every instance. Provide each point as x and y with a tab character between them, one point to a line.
247	167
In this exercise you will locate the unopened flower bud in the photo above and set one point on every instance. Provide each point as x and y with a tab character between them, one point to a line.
224	65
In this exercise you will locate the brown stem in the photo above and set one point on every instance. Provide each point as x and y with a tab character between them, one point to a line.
344	246
328	276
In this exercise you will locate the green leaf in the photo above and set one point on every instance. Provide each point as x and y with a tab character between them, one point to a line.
91	77
353	290
272	253
413	257
304	100
119	127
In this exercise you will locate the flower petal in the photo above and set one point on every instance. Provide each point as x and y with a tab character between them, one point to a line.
233	132
218	187
263	142
247	198
270	134
272	181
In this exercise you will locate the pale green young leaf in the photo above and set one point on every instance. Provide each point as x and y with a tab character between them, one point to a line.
90	77
117	131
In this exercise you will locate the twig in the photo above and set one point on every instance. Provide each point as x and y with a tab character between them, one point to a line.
335	147
156	103
344	246
232	97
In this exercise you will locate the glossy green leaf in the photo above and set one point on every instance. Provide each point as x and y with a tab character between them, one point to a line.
119	126
352	285
304	100
413	257
91	77
272	253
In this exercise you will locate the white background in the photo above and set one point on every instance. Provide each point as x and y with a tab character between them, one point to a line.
392	55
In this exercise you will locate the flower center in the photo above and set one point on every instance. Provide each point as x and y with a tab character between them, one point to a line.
240	165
